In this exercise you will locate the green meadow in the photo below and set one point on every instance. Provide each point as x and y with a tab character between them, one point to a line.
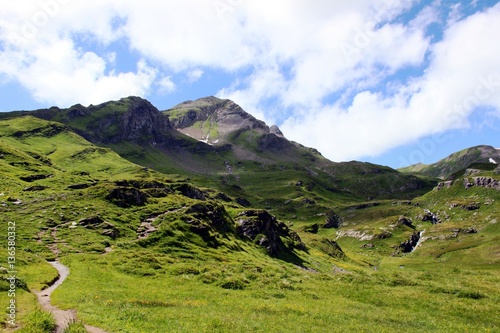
191	271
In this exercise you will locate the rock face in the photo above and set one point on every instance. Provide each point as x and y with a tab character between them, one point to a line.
141	122
485	182
266	231
218	121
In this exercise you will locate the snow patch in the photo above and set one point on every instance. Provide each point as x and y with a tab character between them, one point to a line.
493	161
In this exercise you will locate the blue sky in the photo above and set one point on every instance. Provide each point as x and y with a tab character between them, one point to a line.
389	82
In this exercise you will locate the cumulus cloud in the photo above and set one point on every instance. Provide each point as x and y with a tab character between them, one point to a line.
351	78
40	51
461	77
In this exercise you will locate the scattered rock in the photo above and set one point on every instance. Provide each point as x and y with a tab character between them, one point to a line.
15	201
223	197
363	206
383	235
308	201
367	246
470	230
146	228
471	206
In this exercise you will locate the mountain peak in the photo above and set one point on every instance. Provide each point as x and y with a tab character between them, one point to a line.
213	120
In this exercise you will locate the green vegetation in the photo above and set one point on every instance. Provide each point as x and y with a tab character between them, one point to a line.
39	322
180	252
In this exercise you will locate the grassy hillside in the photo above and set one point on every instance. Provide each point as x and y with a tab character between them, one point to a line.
151	252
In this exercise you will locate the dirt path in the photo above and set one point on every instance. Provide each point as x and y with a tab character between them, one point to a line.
62	317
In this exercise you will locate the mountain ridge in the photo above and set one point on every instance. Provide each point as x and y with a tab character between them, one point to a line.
248	149
456	162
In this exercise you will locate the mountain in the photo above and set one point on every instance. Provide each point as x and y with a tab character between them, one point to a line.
174	251
218	144
488	156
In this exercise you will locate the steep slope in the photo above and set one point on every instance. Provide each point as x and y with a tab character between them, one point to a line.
457	161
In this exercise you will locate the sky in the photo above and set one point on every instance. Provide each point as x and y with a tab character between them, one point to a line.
389	82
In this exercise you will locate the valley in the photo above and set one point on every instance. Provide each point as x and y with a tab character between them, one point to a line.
202	218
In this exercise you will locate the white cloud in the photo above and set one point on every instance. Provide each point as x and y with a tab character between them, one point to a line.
166	84
42	55
194	75
464	73
332	64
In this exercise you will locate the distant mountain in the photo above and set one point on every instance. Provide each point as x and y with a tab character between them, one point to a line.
217	144
457	162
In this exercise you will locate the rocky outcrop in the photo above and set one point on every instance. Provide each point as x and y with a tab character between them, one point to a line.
33	178
332	220
126	197
332	248
265	230
272	142
497	170
430	216
209	221
276	131
485	182
408	245
446	184
405	221
190	191
91	222
129	119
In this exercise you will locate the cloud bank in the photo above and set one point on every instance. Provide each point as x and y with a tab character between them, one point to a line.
353	79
